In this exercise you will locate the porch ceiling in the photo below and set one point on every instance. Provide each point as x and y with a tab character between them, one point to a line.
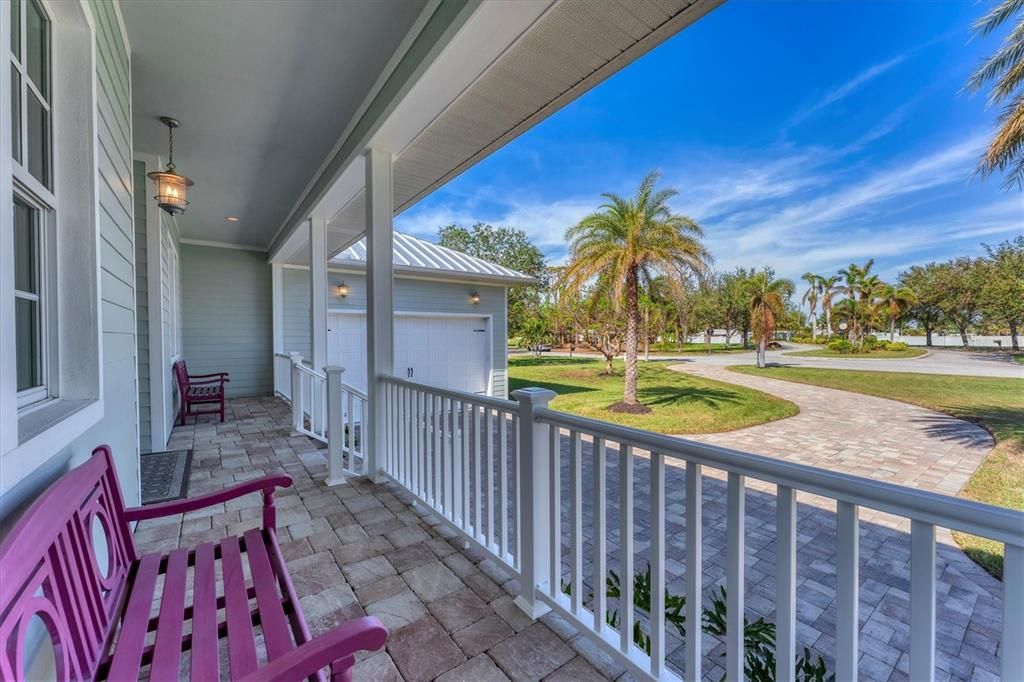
509	66
263	90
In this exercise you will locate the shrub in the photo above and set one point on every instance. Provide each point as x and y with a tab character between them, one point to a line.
803	339
841	346
870	342
897	345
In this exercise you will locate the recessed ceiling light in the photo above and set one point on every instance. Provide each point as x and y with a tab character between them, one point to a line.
232	218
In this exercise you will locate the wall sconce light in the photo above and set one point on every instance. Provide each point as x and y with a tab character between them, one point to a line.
341	290
171	187
474	298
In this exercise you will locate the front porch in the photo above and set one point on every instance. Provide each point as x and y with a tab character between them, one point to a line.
365	548
362	548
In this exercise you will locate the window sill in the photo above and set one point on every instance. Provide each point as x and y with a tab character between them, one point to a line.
45	431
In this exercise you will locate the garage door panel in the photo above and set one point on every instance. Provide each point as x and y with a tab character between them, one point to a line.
449	352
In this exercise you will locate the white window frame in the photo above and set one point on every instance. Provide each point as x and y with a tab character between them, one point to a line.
20	170
45	275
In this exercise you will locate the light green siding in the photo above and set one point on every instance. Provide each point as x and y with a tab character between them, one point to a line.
142	306
411	295
227	316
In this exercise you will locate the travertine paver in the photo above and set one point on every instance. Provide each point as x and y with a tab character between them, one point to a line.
362	549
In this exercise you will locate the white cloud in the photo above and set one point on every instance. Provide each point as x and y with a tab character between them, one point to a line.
848	88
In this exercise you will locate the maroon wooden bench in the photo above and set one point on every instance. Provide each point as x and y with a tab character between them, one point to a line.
98	606
199	389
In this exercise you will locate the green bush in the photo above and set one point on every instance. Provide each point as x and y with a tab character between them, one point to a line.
897	345
841	346
803	339
871	342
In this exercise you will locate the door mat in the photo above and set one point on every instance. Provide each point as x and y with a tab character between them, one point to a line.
165	475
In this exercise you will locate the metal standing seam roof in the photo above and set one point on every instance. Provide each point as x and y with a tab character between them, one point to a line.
419	254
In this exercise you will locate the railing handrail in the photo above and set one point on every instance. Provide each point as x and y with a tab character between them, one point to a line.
354	390
464	396
312	372
997	523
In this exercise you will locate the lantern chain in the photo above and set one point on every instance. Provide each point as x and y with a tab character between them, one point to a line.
170	147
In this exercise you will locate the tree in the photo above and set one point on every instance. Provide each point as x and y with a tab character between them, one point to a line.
734	289
814	291
510	248
896	300
767	304
627	241
1006	67
1003	291
923	280
959	284
828	291
597	321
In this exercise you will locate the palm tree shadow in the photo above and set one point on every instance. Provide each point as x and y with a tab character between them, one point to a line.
660	396
953	429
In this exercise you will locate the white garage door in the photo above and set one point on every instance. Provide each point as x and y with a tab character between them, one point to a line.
449	352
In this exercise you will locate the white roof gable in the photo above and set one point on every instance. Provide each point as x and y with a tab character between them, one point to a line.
413	253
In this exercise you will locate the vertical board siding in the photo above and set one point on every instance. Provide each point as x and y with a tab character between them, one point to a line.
411	295
142	306
227	317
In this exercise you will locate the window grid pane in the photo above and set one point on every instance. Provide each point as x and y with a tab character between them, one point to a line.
37	44
26	250
15	113
16	28
27	348
38	140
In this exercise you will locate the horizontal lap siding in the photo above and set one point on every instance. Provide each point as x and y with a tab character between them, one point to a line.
227	316
411	295
117	256
142	305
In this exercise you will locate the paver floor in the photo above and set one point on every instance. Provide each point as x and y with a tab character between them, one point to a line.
362	549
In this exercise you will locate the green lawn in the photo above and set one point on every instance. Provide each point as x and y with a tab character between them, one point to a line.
995	404
826	353
1019	359
680	403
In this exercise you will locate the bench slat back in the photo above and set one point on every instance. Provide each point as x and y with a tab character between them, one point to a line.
181	376
66	564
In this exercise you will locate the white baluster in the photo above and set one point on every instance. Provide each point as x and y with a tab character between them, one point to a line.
694	568
478	525
576	521
922	601
489	484
785	584
503	483
735	584
625	547
847	561
600	604
1013	611
555	504
657	564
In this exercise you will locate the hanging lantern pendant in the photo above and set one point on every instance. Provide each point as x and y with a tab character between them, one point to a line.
171	187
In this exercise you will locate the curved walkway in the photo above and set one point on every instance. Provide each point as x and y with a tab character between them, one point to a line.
857	434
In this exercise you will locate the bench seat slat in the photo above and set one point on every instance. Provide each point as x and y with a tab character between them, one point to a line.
276	634
167	650
132	636
241	641
205	658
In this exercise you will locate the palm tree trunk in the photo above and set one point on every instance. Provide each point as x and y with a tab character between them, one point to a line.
761	346
892	330
1014	342
647	335
814	328
632	329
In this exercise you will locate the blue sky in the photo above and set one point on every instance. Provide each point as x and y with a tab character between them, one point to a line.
800	135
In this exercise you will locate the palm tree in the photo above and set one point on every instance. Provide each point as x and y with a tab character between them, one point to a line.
1006	68
896	300
858	287
811	299
767	303
627	242
828	290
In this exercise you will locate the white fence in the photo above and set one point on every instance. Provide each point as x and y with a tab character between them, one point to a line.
326	409
497	471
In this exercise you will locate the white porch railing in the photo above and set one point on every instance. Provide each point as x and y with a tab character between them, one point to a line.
322	406
496	470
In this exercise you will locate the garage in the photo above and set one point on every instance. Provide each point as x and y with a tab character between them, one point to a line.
448	351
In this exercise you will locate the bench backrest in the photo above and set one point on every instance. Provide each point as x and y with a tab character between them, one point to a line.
65	565
181	376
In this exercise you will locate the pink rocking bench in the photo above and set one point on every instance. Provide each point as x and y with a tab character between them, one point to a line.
107	619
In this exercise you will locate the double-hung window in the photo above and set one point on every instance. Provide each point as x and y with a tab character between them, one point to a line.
34	202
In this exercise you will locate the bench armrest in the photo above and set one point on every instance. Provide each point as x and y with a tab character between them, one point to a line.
340	644
266	485
204	376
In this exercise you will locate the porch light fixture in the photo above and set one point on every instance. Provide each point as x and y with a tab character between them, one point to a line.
342	290
474	298
171	187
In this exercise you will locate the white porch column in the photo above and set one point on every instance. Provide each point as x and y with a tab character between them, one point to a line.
380	305
318	308
335	427
277	320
